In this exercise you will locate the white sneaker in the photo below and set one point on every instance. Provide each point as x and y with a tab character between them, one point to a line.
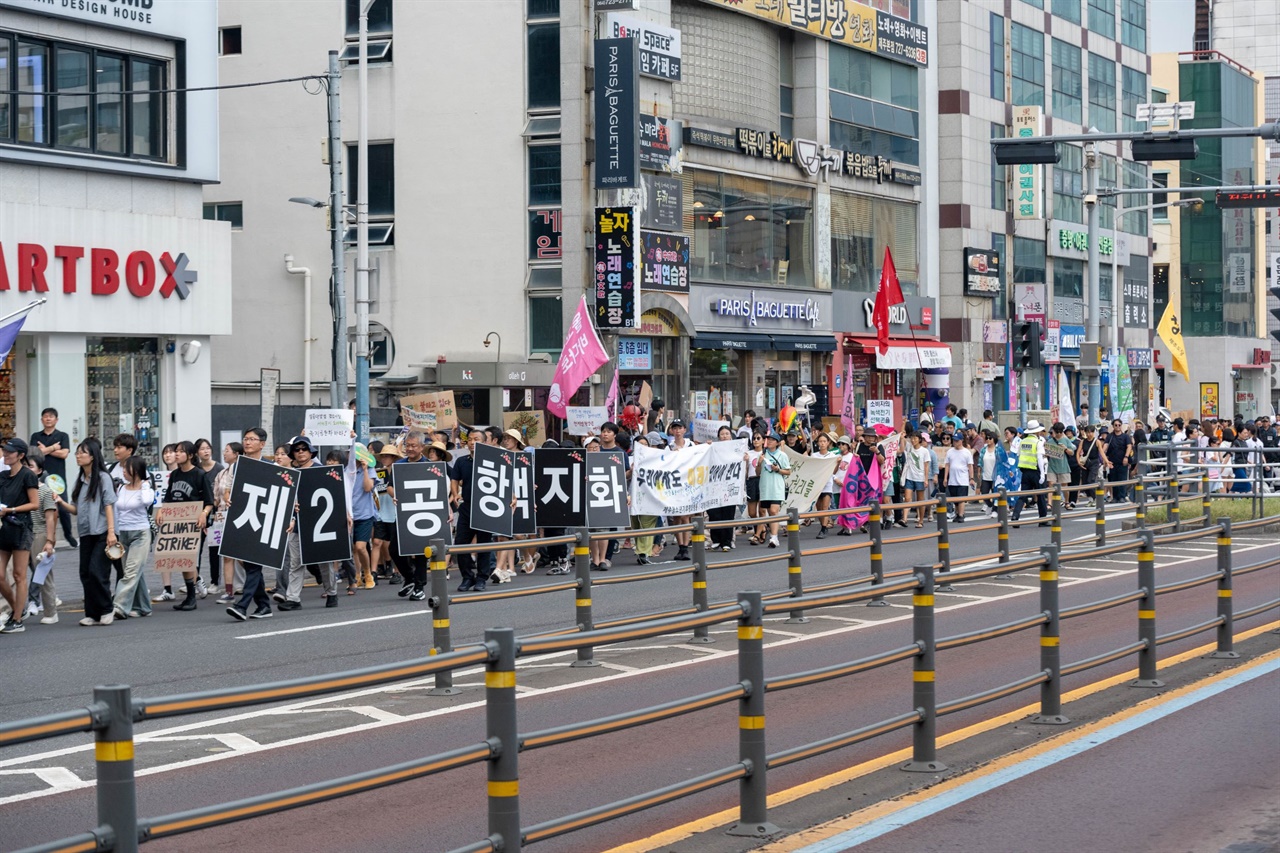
201	589
107	619
773	541
165	595
33	609
226	599
50	620
87	622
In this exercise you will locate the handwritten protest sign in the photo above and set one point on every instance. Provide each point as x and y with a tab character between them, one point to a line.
880	412
531	424
178	539
809	475
439	404
705	430
585	420
330	427
418	421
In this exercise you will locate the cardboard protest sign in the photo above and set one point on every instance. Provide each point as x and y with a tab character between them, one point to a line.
688	481
422	505
522	514
178	536
585	420
329	427
607	490
490	498
559	484
262	500
705	430
439	404
323	536
418	421
809	475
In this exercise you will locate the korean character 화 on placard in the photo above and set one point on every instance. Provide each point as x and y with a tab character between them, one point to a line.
606	486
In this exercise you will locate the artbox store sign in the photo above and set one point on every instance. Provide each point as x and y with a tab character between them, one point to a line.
107	273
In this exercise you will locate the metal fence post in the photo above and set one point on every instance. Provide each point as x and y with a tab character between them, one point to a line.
1100	522
753	789
700	634
1050	638
1226	606
795	569
1147	612
924	740
113	751
1055	528
1206	502
875	525
502	733
944	541
582	597
1175	507
440	628
1140	500
1002	515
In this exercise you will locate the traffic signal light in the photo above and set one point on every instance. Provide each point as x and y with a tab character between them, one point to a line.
1275	312
1028	354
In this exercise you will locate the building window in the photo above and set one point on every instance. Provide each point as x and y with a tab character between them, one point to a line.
1068	90
1160	213
544	66
1133	24
997	57
1159	290
1068	184
1028	261
382	191
75	98
748	229
1102	93
1068	278
1133	89
1039	4
861	227
544	174
1068	10
786	83
1135	178
229	43
543	9
226	211
546	323
1106	283
379	17
999	177
875	105
1102	18
1028	65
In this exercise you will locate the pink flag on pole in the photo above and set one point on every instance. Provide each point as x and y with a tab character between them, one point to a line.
582	356
611	400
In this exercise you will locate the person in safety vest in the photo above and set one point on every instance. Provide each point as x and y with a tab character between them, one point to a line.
1032	465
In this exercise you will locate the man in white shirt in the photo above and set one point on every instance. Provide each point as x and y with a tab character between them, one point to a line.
957	469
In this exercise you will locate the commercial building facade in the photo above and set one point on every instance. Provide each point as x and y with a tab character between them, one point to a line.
103	153
779	157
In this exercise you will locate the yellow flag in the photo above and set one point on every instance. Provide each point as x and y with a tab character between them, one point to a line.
1170	330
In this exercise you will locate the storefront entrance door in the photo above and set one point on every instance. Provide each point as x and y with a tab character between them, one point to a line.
122	377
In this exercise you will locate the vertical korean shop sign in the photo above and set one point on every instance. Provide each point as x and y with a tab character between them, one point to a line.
1026	190
617	290
617	103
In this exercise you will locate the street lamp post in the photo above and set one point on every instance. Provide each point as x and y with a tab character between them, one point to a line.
362	234
1093	306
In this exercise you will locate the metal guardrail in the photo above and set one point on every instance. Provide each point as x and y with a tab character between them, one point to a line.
114	711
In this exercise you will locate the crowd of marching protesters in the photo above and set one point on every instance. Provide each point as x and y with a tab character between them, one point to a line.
106	498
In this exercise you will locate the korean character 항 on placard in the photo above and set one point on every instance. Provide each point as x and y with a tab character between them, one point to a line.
493	483
263	513
557	492
426	503
607	490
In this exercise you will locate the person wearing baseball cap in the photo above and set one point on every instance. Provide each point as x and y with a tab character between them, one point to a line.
1033	465
302	450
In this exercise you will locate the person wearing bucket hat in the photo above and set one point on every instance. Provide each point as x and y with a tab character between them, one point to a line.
774	466
1033	464
384	527
302	450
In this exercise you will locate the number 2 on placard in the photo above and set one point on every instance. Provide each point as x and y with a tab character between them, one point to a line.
320	535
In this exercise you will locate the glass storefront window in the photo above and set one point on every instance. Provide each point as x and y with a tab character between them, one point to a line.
861	228
749	230
122	381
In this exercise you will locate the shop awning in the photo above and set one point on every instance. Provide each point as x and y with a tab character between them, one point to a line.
906	354
782	343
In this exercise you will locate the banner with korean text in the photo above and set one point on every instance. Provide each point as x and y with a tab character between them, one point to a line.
688	481
809	475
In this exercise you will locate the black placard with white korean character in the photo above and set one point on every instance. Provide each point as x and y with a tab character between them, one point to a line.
559	485
323	535
422	505
522	513
607	490
262	499
490	498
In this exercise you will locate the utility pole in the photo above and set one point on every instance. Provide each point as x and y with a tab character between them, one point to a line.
337	222
1092	305
362	236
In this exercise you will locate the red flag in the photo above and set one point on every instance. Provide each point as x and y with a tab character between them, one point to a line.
889	293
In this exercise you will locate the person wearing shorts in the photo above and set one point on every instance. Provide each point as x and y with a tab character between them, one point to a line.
916	462
1059	450
364	512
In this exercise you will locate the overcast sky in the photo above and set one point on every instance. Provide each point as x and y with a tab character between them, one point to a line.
1171	25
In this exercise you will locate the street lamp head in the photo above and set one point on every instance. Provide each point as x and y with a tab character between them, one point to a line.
308	201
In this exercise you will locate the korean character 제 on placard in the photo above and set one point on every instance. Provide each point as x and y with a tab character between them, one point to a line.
425	502
264	512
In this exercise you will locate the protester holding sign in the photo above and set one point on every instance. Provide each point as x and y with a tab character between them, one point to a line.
188	483
722	537
475	568
303	452
677	444
825	449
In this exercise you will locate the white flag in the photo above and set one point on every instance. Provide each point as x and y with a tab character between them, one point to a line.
1066	411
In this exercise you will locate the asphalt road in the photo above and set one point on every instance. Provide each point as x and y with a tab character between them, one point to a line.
44	789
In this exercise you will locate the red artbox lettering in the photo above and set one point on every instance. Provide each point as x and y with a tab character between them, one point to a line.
104	272
140	274
70	256
32	261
